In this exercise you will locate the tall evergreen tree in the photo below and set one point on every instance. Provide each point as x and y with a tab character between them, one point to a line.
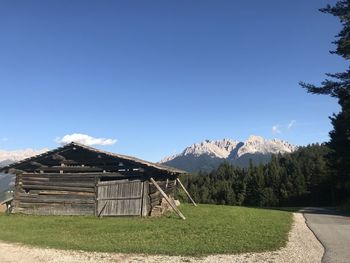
338	86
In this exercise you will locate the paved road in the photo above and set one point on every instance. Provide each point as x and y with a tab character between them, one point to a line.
333	230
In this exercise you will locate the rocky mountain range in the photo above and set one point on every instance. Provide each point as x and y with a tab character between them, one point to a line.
8	157
207	155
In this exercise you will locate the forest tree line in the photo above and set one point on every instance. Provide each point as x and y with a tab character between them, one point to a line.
295	179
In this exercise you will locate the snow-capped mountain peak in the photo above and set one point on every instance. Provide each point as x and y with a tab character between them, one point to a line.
17	155
231	150
254	138
218	148
257	144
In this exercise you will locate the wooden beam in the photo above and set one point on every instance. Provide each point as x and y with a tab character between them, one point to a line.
145	199
189	196
59	188
69	169
167	199
15	171
74	183
120	198
77	174
102	169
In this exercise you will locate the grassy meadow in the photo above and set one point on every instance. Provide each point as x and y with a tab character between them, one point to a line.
208	229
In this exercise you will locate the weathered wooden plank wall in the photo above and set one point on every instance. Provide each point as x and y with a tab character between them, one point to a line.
55	194
120	198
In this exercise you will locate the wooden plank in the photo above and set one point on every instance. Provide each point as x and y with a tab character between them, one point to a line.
167	199
91	168
15	171
62	188
126	174
55	201
96	196
58	179
55	209
183	187
67	198
43	179
49	198
79	206
119	198
145	207
49	175
69	169
53	192
65	183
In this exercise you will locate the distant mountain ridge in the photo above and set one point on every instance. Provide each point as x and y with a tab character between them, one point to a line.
7	181
7	157
208	154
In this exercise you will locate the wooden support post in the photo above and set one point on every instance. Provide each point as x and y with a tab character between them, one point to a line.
167	199
187	193
145	202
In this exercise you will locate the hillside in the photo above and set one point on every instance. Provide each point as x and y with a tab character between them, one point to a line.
208	155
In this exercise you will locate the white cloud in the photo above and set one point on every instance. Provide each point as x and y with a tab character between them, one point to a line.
84	139
291	124
275	129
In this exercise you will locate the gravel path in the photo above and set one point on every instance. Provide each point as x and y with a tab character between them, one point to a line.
301	247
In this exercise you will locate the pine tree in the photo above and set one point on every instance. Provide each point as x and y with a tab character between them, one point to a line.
338	86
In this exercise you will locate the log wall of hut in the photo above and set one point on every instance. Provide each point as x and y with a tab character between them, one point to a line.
55	194
77	194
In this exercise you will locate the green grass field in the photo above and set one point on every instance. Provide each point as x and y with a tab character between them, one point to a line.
208	229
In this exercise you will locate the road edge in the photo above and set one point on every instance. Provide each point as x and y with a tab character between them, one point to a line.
319	240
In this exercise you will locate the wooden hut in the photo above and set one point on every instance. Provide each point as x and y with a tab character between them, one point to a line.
79	180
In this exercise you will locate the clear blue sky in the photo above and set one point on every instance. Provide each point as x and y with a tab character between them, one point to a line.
161	75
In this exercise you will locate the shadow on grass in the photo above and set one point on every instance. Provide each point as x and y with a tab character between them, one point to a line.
325	211
285	209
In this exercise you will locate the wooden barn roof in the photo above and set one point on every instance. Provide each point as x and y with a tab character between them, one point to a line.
73	146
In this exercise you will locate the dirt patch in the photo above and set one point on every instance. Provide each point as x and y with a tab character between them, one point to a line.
301	247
